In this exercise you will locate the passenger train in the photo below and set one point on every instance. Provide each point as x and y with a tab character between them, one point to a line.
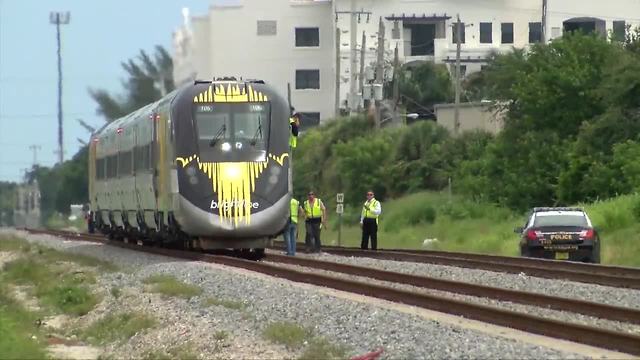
206	166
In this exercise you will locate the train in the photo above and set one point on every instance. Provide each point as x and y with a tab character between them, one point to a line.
205	167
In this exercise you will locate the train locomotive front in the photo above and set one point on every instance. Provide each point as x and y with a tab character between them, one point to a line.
207	166
232	163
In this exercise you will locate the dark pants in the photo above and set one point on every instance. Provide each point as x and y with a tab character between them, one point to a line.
312	240
369	229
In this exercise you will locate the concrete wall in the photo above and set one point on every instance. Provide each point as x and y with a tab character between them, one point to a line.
473	116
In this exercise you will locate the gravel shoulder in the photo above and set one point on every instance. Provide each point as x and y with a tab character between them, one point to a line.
358	324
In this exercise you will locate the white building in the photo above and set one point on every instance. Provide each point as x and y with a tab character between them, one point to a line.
294	41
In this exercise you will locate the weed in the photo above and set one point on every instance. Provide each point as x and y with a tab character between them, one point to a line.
70	299
322	349
60	291
16	330
288	334
170	286
13	244
116	292
229	304
84	260
183	352
220	335
115	327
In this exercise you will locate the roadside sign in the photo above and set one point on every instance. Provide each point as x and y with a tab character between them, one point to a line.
340	198
340	209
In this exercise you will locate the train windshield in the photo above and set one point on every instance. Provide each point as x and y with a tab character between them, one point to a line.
233	131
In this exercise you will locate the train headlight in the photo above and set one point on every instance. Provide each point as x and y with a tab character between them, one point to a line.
225	146
231	171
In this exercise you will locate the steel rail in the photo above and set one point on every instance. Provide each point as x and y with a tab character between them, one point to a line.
543	270
603	311
603	338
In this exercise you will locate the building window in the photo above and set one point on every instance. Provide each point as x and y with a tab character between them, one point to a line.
535	32
420	39
455	36
307	79
307	37
507	33
486	36
619	30
309	120
267	27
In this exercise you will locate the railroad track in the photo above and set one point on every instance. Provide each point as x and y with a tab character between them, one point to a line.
614	276
603	338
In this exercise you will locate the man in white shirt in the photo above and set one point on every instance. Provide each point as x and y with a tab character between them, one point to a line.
369	221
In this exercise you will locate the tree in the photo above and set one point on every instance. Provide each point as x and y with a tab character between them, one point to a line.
423	86
147	80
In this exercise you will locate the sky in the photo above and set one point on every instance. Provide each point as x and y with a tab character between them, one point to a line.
100	35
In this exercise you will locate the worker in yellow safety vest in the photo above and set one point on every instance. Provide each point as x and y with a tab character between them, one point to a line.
291	230
369	221
315	215
294	123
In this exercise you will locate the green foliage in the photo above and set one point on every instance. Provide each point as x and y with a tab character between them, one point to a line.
171	287
229	304
116	327
17	326
7	202
323	349
69	299
424	85
55	288
145	79
288	334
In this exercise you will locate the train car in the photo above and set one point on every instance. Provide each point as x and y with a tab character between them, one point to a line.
206	166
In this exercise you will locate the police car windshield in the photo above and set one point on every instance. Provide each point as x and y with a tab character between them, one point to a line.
560	219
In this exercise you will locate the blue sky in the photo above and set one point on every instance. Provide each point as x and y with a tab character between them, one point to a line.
100	35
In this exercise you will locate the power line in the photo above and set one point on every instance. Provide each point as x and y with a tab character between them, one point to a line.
35	116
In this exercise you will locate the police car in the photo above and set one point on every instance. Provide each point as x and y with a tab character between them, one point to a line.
559	233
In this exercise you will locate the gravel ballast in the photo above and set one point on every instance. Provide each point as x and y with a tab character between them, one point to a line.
360	327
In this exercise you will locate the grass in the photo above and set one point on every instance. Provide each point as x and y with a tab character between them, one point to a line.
116	292
117	327
17	326
170	286
466	226
182	352
56	288
288	334
294	336
9	243
221	335
322	349
229	304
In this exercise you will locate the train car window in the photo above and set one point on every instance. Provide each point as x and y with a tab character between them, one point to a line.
126	163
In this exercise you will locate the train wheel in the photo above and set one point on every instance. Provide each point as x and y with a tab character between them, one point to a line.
258	253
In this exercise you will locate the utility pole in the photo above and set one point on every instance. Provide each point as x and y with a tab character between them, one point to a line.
353	57
35	149
380	70
363	50
59	18
396	85
544	21
456	114
337	109
355	19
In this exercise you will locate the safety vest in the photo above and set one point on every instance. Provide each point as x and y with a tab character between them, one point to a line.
314	211
293	139
294	210
367	214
